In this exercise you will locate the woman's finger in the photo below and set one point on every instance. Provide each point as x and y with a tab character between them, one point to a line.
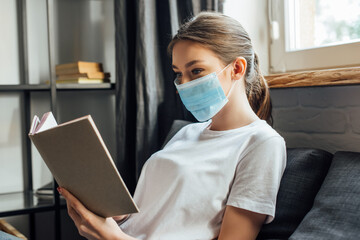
89	224
73	214
71	211
74	202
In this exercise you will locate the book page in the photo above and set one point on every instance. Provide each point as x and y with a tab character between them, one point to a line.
34	124
47	121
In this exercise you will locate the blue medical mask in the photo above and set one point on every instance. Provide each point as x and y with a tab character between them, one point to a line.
203	97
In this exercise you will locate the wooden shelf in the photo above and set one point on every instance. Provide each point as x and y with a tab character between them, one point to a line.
331	77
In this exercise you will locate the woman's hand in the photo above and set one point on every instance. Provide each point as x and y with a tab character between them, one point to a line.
90	225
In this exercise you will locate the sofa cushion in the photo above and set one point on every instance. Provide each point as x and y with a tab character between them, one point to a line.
303	176
336	210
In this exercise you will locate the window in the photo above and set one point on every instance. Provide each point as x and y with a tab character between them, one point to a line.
314	34
317	23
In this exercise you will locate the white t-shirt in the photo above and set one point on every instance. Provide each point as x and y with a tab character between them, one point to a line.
183	189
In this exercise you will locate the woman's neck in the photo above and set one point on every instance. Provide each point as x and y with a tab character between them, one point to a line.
235	114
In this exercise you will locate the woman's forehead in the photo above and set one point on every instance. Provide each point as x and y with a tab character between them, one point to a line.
186	51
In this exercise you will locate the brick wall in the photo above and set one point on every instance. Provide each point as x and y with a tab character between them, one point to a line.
319	117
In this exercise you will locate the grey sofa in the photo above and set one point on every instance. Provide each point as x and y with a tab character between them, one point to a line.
319	195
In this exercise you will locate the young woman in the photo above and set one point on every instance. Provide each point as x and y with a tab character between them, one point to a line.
217	178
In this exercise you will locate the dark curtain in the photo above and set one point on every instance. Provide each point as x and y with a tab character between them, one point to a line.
147	102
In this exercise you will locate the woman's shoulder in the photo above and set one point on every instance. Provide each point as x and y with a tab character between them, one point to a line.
258	136
264	138
257	131
264	131
266	134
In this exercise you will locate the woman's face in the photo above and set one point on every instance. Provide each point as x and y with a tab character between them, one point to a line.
191	60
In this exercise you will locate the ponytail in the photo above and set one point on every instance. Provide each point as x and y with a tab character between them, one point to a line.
258	93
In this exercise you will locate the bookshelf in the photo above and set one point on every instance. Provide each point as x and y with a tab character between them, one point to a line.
24	202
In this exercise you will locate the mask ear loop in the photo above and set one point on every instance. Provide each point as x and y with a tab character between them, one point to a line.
232	85
223	69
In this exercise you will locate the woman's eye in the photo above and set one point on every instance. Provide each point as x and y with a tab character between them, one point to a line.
196	71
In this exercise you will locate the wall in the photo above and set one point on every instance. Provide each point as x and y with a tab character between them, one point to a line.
8	22
10	120
320	117
253	17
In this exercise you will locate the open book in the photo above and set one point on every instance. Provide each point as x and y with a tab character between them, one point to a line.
78	159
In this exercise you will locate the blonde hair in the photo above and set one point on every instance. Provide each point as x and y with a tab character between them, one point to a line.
228	39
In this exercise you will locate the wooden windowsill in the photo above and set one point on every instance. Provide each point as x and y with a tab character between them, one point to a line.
331	77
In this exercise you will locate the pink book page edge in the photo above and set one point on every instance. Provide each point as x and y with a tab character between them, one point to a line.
34	124
42	121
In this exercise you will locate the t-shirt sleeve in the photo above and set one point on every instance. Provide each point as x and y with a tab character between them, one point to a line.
257	177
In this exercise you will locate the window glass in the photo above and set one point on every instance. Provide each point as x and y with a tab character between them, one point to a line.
317	23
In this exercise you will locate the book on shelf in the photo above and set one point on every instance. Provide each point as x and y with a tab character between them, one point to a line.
45	194
78	159
47	189
78	68
90	75
81	73
81	81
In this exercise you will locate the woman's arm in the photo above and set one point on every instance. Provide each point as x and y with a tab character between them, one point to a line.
90	225
237	223
240	224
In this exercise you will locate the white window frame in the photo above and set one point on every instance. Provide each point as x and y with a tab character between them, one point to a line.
327	57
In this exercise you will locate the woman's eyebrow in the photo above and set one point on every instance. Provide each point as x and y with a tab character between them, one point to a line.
192	63
189	63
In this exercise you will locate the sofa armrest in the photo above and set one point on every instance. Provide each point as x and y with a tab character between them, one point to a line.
175	127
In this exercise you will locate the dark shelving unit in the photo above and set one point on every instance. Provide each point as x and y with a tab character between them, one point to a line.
59	87
25	203
23	87
20	203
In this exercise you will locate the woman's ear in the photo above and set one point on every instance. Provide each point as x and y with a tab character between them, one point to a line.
239	69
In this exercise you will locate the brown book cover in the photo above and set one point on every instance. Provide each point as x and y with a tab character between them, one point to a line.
78	159
78	67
